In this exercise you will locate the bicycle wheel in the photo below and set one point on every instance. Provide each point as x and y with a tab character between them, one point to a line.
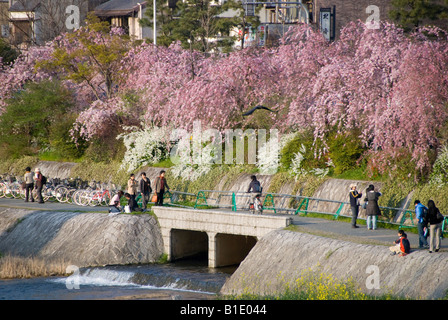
46	193
84	198
106	198
95	198
60	193
69	195
77	197
2	190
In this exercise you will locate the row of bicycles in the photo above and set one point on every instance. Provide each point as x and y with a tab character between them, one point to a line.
74	191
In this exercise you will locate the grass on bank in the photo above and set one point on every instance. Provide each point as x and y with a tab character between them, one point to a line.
13	267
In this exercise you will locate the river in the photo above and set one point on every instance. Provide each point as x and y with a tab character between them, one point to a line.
184	280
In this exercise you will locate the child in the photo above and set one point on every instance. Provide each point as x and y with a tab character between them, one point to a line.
402	245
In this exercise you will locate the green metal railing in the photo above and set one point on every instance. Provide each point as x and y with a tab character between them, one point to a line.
282	203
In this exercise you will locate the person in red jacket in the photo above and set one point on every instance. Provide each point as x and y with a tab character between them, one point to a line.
402	245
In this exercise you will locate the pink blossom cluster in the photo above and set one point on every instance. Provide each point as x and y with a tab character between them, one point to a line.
390	86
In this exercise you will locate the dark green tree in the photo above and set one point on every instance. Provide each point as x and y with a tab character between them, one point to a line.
7	53
198	24
410	14
36	119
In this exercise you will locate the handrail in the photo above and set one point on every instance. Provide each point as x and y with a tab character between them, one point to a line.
269	203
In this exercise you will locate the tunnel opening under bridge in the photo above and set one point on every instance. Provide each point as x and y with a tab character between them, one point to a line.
216	249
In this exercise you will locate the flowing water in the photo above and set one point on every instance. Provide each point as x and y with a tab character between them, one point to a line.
185	280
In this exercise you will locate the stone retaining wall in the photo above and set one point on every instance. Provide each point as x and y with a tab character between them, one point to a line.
83	239
282	256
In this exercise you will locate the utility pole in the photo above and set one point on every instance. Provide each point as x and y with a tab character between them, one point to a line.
155	23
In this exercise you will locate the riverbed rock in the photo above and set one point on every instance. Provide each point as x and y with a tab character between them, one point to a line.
282	256
83	239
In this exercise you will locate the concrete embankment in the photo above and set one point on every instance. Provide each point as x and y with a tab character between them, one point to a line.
83	239
282	256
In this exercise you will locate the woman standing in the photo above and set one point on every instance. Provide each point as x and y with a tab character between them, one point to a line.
434	218
132	186
373	210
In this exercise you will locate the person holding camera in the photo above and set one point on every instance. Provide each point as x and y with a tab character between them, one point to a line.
354	203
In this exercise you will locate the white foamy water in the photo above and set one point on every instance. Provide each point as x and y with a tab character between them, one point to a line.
163	281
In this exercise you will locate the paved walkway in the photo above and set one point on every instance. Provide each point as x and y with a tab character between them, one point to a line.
49	205
318	226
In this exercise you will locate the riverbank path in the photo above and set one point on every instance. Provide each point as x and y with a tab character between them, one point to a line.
319	226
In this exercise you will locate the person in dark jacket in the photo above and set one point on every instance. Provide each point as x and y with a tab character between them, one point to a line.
354	203
145	189
434	218
133	206
254	185
254	188
373	210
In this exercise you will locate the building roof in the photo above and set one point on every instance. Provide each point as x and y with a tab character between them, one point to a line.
24	6
118	8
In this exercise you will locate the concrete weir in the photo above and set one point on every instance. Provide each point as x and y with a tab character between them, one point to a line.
227	237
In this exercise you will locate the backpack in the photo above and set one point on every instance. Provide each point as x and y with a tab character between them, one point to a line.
440	217
44	180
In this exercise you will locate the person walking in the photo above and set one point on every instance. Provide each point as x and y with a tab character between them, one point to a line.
29	184
373	210
145	189
420	214
160	185
354	203
434	219
132	186
38	179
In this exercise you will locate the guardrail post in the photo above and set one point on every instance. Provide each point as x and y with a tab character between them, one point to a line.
201	195
233	202
443	227
339	211
404	218
269	199
305	202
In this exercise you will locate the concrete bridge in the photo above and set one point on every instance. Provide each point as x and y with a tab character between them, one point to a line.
227	237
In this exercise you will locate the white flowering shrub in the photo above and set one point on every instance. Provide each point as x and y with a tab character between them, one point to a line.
296	168
439	175
192	160
144	147
296	163
268	159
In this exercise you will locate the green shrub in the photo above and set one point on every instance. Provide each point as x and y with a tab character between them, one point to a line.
310	159
26	125
345	150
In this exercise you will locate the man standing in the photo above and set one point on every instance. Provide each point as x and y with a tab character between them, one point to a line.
160	185
29	184
420	214
145	189
354	203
